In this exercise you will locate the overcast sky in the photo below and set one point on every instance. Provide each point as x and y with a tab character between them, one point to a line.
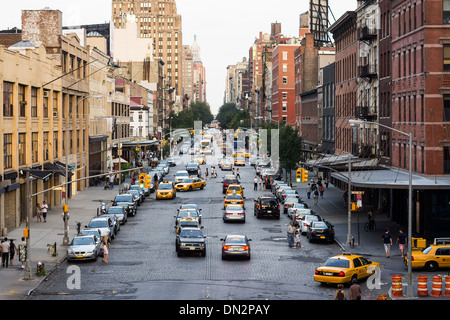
225	29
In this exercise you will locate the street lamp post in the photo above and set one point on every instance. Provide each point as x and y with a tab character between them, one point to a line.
354	122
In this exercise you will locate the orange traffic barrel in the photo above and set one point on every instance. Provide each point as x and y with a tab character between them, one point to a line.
397	288
447	286
382	297
422	286
436	288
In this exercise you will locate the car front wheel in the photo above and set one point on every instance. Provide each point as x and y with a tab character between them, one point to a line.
431	266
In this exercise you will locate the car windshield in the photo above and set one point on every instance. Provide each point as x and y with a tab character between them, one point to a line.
340	263
115	210
98	224
230	181
182	174
123	198
234	188
188	180
185	213
299	205
320	225
235	240
234	197
311	218
191	233
185	224
189	206
89	232
269	203
165	186
82	241
234	208
135	187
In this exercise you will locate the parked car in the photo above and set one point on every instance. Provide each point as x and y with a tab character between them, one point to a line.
234	212
299	213
293	209
85	247
306	221
171	162
104	224
127	201
136	196
266	206
115	220
289	203
320	230
236	246
188	213
192	169
181	175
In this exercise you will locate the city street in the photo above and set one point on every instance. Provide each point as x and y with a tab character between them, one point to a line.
143	263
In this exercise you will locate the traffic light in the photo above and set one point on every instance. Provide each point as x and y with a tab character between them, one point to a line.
304	175
299	174
148	181
142	177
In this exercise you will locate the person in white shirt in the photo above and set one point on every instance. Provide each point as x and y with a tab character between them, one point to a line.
5	252
44	209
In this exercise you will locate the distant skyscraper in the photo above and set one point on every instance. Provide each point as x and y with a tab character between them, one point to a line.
157	19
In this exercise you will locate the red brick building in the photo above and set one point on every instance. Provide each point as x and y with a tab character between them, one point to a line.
344	31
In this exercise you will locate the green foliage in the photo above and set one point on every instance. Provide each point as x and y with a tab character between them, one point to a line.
198	111
241	119
226	114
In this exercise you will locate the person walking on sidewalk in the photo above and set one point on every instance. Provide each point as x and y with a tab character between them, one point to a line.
255	183
44	209
111	181
104	247
5	252
38	213
22	251
321	189
316	196
340	293
387	242
402	242
308	191
12	251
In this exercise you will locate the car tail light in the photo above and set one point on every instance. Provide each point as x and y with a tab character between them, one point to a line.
241	213
259	207
278	207
305	224
412	258
341	274
226	247
245	247
316	272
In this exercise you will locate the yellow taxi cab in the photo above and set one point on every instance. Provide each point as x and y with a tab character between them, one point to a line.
200	159
235	188
187	222
233	198
191	183
166	190
239	154
344	268
433	257
239	161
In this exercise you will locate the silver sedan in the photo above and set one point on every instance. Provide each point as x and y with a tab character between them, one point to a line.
83	248
234	213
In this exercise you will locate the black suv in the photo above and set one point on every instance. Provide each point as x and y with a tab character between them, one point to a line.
126	200
267	206
190	240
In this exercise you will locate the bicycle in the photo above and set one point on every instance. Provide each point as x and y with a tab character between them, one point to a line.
51	249
370	226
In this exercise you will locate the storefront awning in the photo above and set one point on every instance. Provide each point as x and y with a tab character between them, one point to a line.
392	179
40	174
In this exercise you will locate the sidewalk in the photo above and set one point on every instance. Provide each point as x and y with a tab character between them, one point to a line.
82	207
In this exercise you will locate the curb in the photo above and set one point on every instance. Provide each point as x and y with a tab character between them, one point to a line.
53	269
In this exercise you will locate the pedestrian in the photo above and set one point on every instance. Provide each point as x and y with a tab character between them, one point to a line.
371	219
308	191
104	247
206	173
297	239
255	183
402	242
133	179
316	196
387	242
260	183
38	212
321	189
327	182
22	251
340	293
5	252
199	172
238	174
12	251
233	172
44	209
290	234
355	291
111	181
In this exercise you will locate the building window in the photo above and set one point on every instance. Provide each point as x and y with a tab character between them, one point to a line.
34	147
284	80
46	146
22	101
446	108
446	11
284	106
45	105
55	145
22	149
446	160
7	99
446	57
34	101
55	104
7	151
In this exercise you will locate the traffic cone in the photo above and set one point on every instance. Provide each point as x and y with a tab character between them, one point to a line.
422	289
447	286
436	288
397	288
